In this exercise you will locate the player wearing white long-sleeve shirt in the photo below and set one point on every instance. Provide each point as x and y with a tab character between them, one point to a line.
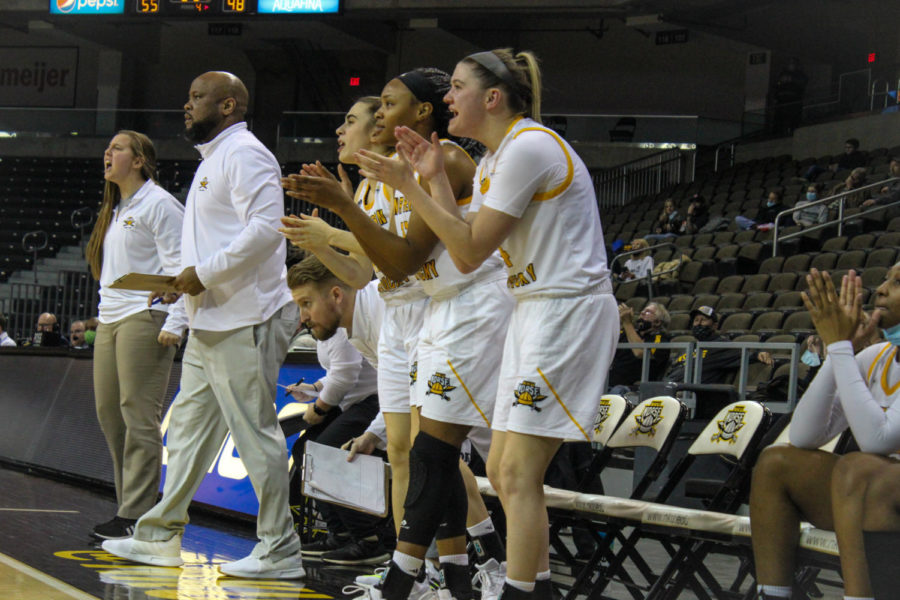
799	482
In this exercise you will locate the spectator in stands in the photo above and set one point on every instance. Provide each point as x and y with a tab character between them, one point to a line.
76	336
47	332
138	230
669	222
640	264
798	482
650	327
720	364
696	217
855	180
812	215
241	319
888	193
776	388
5	340
765	216
852	158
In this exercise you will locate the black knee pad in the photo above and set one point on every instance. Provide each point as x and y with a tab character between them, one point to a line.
457	502
430	463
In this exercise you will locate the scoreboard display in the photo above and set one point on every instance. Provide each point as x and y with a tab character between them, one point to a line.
193	8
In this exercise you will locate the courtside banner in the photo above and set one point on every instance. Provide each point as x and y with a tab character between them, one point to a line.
38	76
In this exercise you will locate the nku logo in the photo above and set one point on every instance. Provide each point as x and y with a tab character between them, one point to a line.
87	7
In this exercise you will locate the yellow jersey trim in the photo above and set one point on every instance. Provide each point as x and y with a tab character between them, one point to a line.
875	362
570	174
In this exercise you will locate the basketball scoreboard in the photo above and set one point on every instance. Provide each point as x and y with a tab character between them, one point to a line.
193	8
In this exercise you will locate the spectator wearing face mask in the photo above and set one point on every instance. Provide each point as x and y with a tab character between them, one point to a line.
720	364
77	339
649	327
47	332
811	215
765	216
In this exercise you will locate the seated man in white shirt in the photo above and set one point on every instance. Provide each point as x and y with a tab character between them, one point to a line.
798	482
5	340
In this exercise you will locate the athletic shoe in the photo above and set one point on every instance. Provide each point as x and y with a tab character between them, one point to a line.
159	554
491	576
374	579
116	528
251	567
363	592
367	551
327	544
421	590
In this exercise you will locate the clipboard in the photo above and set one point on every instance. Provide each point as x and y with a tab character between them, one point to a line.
144	282
361	485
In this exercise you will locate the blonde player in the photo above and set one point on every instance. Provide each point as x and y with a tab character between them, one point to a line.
533	196
459	349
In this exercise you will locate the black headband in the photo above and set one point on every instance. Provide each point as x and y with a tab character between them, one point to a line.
492	63
423	89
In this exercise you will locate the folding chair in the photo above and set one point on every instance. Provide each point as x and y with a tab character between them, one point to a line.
653	424
612	412
735	432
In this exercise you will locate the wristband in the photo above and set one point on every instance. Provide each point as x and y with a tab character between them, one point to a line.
318	410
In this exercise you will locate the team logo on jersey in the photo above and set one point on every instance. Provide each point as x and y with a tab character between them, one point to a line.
485	184
528	394
128	223
649	418
439	385
203	184
414	374
602	415
729	426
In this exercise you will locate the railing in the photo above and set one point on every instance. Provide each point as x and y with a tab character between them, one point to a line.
648	279
81	219
693	367
648	175
72	122
838	220
34	242
74	296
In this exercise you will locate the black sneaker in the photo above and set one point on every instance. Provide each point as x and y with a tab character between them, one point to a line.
116	528
367	551
326	544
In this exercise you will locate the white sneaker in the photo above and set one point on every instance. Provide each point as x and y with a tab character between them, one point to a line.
363	592
421	590
491	575
159	554
374	579
251	567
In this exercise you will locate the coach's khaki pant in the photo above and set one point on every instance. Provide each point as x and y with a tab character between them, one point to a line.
131	373
228	384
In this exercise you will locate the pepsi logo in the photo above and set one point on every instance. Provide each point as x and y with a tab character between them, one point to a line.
65	5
